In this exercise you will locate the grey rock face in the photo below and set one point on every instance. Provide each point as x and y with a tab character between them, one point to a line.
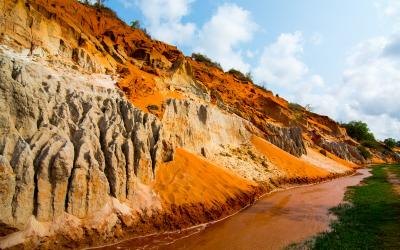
67	146
289	139
7	187
342	149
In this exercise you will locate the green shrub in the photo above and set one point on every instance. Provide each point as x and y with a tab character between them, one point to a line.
262	87
135	24
390	142
295	106
239	75
206	60
359	131
364	152
99	5
371	144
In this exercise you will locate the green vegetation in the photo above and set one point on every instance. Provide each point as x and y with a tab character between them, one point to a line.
300	112
135	24
295	106
204	59
370	217
359	131
262	87
390	142
242	77
364	152
99	5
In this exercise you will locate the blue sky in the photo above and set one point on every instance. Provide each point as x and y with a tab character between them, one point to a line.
342	56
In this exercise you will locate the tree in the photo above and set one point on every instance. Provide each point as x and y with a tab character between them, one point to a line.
135	24
359	131
390	142
249	76
398	144
206	60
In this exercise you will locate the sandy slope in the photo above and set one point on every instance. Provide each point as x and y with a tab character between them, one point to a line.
292	166
311	166
190	179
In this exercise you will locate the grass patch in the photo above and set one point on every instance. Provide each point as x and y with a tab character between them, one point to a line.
368	219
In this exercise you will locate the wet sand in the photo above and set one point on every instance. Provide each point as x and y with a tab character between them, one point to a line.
276	220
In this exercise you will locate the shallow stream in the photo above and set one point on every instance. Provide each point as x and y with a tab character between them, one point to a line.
275	221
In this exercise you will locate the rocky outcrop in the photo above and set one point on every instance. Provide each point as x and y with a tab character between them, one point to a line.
289	139
342	149
202	128
66	146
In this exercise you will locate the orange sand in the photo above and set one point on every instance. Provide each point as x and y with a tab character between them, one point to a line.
291	165
376	160
190	179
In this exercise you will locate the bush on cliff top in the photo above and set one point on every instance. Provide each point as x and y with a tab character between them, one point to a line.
239	75
135	24
390	142
99	5
359	131
204	59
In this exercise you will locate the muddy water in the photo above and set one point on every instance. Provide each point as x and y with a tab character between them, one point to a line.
273	222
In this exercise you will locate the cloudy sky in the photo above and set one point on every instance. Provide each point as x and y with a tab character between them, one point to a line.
342	56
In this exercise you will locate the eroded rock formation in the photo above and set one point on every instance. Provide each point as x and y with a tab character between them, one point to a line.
67	145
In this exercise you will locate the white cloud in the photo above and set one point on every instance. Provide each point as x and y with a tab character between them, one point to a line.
372	80
220	36
369	90
390	8
280	66
165	20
